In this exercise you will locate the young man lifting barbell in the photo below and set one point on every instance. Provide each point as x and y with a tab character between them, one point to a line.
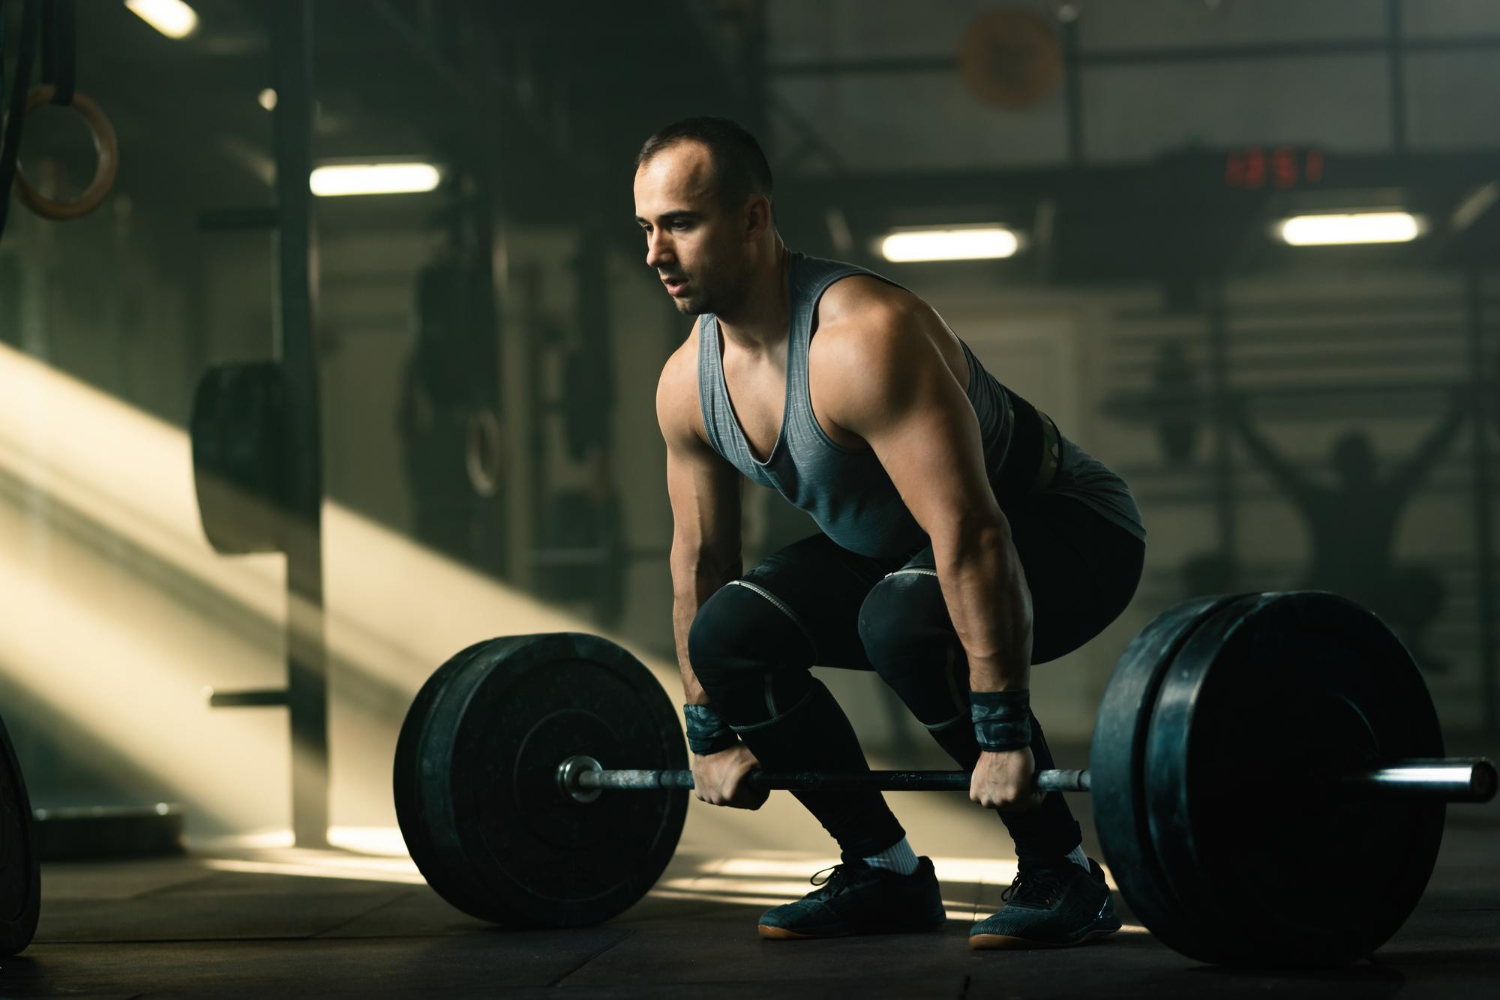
963	539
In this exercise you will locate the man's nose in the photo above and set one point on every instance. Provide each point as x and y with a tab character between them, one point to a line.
657	251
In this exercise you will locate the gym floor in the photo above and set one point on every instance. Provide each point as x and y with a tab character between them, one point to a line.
231	921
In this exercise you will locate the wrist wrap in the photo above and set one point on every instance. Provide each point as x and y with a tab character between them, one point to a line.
706	732
1002	719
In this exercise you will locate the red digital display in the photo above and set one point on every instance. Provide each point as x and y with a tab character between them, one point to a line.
1280	167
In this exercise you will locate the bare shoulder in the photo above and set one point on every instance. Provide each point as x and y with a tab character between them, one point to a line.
860	312
678	409
874	331
861	299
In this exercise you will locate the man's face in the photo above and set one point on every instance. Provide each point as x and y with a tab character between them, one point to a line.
691	241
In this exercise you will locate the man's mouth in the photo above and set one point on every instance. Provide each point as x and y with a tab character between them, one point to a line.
674	285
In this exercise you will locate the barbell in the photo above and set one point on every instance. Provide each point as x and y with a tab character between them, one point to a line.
1451	779
1247	747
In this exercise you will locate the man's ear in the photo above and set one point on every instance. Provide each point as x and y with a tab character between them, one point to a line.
758	217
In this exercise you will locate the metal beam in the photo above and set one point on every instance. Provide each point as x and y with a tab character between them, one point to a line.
1396	61
1176	178
1093	58
1484	542
302	450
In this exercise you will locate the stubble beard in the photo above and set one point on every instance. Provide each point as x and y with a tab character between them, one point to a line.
725	300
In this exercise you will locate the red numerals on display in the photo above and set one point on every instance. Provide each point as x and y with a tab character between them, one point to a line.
1281	167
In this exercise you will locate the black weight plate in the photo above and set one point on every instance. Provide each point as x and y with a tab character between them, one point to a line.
452	886
1282	871
477	794
1117	766
20	875
235	427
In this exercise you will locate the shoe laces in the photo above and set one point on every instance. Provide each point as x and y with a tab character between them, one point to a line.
839	878
1039	887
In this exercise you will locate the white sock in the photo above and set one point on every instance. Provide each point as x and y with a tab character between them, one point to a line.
899	858
1079	858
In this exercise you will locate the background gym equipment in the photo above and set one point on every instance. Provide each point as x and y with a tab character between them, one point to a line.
93	833
257	432
106	148
48	30
20	877
237	427
1285	719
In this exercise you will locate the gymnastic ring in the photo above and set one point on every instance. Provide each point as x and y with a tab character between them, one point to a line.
106	147
484	452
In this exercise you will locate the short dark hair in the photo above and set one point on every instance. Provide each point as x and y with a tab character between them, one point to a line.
740	166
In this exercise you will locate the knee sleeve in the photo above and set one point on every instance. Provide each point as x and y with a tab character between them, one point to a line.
751	653
909	638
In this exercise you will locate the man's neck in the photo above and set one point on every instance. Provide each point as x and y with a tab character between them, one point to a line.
759	326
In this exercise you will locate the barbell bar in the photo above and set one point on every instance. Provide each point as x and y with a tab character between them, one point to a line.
1451	779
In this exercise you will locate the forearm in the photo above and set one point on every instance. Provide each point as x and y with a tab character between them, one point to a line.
989	604
692	585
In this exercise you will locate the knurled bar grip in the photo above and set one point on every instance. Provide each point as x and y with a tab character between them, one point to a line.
890	781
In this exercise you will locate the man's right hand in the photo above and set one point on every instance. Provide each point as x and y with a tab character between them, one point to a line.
719	778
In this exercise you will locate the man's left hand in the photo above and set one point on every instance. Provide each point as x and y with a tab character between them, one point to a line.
1005	780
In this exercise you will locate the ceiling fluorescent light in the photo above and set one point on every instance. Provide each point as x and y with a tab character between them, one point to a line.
374	178
969	243
1353	227
172	18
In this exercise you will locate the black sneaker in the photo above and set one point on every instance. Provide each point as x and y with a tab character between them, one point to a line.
858	899
1050	905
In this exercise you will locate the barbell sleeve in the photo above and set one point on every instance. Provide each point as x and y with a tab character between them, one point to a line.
1455	779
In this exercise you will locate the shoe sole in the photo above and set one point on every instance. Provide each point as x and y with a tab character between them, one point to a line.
783	934
1006	941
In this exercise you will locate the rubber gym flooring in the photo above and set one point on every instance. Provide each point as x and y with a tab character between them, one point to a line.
234	921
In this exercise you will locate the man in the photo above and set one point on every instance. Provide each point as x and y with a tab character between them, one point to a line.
962	540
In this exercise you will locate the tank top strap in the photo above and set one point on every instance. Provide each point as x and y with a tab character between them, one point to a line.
807	279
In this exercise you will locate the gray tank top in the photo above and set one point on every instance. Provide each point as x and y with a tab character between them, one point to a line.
847	492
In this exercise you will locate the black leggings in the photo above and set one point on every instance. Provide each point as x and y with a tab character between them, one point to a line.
814	602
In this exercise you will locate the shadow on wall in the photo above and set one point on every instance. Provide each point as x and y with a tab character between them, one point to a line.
1352	515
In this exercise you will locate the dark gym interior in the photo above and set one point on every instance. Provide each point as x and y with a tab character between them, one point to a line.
332	354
